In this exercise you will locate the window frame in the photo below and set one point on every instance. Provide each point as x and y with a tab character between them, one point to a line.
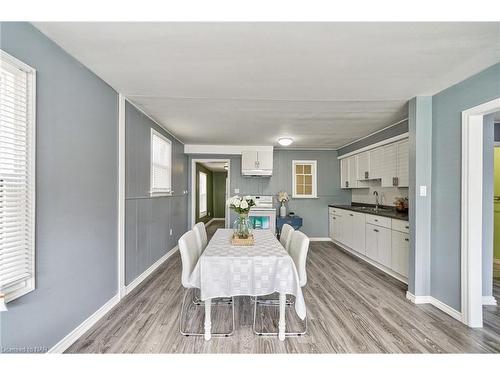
202	214
18	290
155	192
314	173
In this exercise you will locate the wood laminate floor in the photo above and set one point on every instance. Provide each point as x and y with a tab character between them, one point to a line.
352	308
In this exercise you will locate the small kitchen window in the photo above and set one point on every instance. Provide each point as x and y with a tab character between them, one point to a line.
304	179
161	164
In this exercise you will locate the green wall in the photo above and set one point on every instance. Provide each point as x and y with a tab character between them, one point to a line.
210	210
219	194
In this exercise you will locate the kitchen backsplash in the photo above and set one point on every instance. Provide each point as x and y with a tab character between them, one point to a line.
387	195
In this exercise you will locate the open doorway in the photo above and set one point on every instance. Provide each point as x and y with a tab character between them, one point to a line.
478	214
209	191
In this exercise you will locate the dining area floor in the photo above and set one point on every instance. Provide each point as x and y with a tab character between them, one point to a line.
352	308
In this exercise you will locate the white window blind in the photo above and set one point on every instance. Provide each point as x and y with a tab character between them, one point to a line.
202	194
17	178
161	163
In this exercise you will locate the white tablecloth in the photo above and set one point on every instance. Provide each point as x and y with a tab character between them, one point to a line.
224	270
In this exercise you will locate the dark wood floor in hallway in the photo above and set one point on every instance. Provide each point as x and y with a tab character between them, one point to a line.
352	308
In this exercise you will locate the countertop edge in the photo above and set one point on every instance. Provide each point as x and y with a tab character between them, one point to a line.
392	215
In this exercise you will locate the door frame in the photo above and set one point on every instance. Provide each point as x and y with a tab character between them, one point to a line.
193	187
472	211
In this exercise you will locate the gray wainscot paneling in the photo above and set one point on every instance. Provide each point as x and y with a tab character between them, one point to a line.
76	194
313	211
148	220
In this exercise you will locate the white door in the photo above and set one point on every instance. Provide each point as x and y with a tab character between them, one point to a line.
384	246
358	233
347	224
265	159
363	166
249	160
351	162
400	252
389	165
344	174
403	163
331	227
371	241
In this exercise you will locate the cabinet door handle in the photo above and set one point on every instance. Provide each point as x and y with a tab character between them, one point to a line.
375	230
334	218
347	184
366	175
395	181
375	220
406	239
407	227
351	214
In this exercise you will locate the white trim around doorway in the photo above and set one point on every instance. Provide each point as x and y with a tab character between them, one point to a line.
471	211
193	186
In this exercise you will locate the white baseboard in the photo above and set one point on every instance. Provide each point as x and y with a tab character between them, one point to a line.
320	239
372	262
489	301
149	271
79	331
436	303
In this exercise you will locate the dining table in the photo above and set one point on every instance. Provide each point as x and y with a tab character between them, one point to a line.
226	270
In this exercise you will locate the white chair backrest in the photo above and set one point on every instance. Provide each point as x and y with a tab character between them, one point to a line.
299	246
286	236
201	234
188	247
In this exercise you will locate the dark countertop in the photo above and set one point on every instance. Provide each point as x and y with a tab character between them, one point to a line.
392	213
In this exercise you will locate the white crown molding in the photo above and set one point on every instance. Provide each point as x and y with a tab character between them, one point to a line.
223	149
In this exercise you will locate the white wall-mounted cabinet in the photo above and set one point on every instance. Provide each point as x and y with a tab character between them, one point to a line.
257	162
388	164
380	240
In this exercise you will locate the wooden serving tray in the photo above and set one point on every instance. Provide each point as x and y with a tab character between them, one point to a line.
235	241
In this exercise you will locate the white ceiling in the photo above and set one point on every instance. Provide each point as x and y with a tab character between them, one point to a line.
323	84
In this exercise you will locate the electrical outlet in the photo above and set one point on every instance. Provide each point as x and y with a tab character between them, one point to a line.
236	191
171	231
423	191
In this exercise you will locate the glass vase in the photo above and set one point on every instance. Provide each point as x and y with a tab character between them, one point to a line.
242	226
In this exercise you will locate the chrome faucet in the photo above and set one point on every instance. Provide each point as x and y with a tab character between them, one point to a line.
376	200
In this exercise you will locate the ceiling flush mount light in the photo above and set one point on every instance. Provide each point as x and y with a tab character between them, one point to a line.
285	141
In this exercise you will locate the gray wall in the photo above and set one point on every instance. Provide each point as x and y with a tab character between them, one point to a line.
313	211
446	183
76	194
488	185
148	220
393	131
420	142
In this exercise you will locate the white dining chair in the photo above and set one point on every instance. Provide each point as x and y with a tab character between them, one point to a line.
286	236
201	235
189	249
299	247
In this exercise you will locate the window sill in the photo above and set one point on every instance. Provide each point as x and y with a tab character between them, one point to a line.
304	197
161	194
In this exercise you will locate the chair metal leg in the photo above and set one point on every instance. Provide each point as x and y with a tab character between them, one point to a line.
287	334
181	318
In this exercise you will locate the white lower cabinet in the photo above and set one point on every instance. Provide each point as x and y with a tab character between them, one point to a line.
378	244
372	236
400	252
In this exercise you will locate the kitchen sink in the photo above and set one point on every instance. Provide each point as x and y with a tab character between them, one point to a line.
373	209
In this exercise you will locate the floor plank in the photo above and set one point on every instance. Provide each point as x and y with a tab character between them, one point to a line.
352	308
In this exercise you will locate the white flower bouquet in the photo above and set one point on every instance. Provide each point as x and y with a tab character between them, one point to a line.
283	197
241	205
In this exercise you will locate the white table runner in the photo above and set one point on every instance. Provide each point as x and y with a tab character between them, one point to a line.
225	270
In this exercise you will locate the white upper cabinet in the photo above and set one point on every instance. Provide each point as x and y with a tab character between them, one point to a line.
363	166
257	163
265	159
388	163
403	163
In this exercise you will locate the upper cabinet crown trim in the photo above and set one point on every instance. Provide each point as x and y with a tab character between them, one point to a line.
375	145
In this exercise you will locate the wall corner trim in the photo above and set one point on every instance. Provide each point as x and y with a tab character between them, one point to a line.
418	300
83	327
